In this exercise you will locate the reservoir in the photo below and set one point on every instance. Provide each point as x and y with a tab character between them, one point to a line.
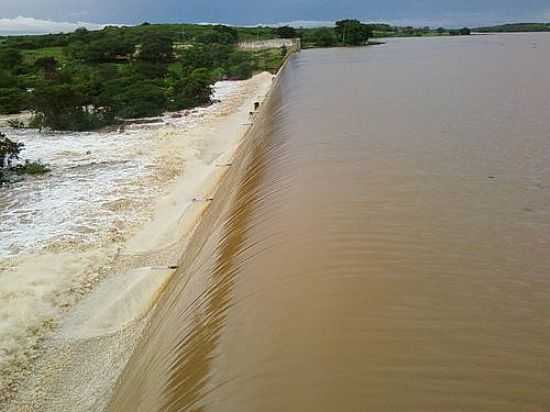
381	242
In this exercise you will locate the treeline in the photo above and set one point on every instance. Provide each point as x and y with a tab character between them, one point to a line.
90	79
355	33
515	28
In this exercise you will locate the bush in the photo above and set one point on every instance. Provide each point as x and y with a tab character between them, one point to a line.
13	101
241	71
145	99
193	90
157	48
286	32
149	70
65	107
10	59
352	32
9	151
31	168
322	37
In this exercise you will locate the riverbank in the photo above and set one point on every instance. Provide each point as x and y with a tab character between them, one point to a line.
71	306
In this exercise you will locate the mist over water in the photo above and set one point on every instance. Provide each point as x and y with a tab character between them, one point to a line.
381	243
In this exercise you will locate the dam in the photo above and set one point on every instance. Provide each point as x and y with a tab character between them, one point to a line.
381	242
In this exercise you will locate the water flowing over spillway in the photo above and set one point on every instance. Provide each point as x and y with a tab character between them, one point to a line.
381	242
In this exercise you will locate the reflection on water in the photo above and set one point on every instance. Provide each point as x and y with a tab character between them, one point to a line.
382	243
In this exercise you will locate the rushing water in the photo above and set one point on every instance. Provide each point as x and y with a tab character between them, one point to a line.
96	182
382	243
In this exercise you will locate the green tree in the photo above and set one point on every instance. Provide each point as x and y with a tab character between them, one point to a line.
286	32
10	59
13	100
157	47
219	34
144	99
48	65
193	90
7	79
105	50
352	32
65	107
322	37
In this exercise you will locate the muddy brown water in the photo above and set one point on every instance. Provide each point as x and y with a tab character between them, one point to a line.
382	243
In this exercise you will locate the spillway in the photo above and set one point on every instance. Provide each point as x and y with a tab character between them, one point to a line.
381	242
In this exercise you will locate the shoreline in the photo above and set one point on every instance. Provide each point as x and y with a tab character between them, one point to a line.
107	291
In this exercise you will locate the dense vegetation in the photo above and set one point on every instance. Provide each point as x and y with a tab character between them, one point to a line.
515	28
354	33
88	79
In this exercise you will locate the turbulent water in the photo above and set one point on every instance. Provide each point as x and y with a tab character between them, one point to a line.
96	182
381	243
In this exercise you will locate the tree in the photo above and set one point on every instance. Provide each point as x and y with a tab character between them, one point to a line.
81	34
352	32
65	107
157	47
286	32
10	59
149	70
12	100
144	99
48	65
7	79
322	37
9	151
105	50
193	90
465	31
213	36
441	30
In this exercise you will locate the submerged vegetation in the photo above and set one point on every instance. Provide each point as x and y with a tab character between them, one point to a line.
10	151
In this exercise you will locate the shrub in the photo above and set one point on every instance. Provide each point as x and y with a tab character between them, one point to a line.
9	150
13	101
143	99
286	32
32	168
193	90
322	37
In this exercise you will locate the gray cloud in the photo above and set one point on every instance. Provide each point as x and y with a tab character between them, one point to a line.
30	25
251	12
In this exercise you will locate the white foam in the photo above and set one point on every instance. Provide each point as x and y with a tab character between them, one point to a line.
92	175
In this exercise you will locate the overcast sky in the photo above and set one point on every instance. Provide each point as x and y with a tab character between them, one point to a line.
249	12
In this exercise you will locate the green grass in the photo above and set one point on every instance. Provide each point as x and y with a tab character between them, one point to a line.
30	56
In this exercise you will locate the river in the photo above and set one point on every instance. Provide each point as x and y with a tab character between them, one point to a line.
381	243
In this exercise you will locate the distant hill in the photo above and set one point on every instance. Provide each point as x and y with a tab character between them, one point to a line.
514	28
